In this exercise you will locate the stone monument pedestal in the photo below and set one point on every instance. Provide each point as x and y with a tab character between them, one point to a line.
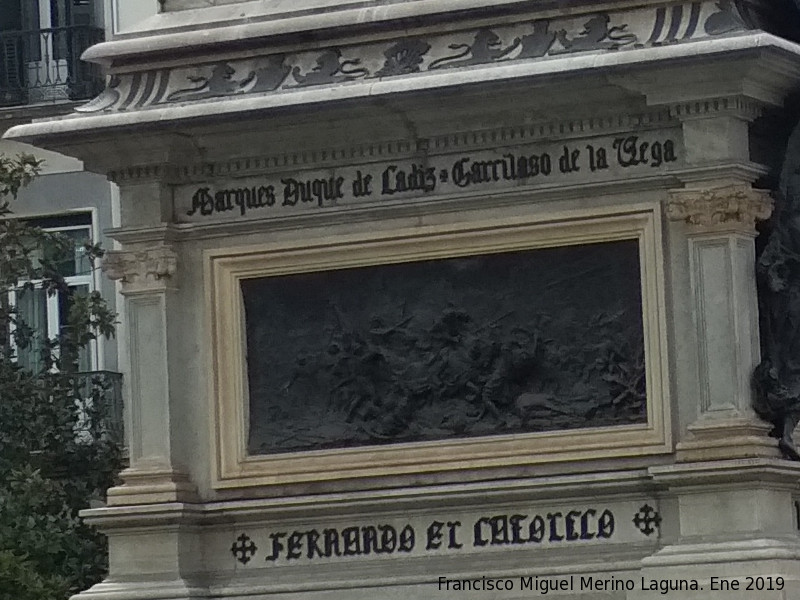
429	299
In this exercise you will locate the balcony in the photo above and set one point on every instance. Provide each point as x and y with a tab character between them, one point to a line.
44	66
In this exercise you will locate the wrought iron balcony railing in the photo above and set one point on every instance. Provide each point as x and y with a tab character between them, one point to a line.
44	65
99	397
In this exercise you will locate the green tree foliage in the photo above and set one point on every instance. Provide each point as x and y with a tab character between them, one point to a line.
56	455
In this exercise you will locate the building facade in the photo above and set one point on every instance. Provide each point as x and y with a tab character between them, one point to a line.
42	76
428	299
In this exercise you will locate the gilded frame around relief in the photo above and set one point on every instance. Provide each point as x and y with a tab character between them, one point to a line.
225	269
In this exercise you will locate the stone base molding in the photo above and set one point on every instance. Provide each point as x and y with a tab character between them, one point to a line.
167	590
725	571
154	485
728	438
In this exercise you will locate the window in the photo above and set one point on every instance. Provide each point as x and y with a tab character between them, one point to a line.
47	314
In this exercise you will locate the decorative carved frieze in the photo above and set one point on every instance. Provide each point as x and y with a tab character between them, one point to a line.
737	205
534	39
333	156
737	106
140	267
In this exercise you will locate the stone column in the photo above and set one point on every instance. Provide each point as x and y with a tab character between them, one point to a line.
148	287
719	222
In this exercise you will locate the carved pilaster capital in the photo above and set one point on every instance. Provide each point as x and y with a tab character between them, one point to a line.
732	207
150	267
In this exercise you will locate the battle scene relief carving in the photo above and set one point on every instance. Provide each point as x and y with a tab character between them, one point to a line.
516	342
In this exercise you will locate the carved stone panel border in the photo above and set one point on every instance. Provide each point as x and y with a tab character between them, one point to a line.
226	268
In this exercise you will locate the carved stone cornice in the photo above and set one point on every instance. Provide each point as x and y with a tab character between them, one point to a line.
741	107
150	267
140	173
325	157
411	54
737	206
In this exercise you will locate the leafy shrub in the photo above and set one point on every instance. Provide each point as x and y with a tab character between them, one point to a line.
48	473
20	580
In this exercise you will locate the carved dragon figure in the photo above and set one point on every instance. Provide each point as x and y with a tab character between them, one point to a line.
272	74
596	35
404	57
538	43
219	83
330	68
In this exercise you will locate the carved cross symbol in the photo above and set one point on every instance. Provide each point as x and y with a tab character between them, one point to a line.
243	549
647	520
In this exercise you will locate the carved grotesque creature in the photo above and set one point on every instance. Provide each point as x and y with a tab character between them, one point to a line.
485	48
220	82
776	381
403	57
538	43
597	34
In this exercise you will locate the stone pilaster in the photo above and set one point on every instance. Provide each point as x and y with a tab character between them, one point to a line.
148	286
719	224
